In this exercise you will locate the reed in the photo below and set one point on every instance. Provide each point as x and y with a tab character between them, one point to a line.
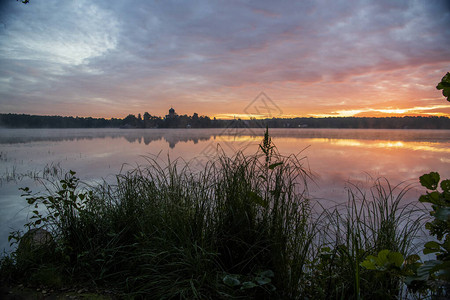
371	221
242	227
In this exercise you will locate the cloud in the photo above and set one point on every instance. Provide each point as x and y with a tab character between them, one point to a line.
55	32
308	55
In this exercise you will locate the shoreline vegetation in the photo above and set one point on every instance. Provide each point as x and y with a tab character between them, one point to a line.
244	227
195	121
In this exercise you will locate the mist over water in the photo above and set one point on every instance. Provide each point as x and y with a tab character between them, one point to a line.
337	158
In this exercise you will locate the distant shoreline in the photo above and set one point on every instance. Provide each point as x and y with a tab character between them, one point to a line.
184	121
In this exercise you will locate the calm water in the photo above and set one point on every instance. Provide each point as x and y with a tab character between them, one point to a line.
336	157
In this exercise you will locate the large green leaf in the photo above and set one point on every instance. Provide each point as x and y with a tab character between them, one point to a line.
382	259
445	185
431	247
430	180
369	263
396	259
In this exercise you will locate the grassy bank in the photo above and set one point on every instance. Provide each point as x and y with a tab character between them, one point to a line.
242	227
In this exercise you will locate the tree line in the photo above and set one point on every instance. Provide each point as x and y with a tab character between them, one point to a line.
174	121
196	121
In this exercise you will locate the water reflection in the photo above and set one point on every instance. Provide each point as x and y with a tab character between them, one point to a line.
421	146
335	156
174	136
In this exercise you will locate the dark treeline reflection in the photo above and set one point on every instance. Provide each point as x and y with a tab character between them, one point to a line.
174	136
172	140
171	136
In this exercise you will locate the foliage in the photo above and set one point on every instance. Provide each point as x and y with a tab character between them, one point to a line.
432	276
444	85
391	265
367	224
243	226
182	121
258	285
384	261
166	231
438	227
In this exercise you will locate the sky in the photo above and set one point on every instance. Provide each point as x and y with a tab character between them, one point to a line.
224	59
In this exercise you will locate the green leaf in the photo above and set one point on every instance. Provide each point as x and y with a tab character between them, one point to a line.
262	280
433	198
445	185
257	199
231	280
431	247
396	258
31	200
424	199
430	180
248	285
274	165
412	259
369	263
382	257
429	267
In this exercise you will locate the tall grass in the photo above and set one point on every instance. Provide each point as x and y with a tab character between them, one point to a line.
368	223
243	226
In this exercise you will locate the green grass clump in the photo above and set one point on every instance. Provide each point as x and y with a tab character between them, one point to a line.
370	222
242	227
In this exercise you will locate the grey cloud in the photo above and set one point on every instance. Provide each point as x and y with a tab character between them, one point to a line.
154	48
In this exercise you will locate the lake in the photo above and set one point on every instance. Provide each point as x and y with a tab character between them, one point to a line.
337	158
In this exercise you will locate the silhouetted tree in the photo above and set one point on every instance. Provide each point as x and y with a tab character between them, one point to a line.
130	121
146	120
140	122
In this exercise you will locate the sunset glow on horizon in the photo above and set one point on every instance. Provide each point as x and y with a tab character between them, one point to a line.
310	58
